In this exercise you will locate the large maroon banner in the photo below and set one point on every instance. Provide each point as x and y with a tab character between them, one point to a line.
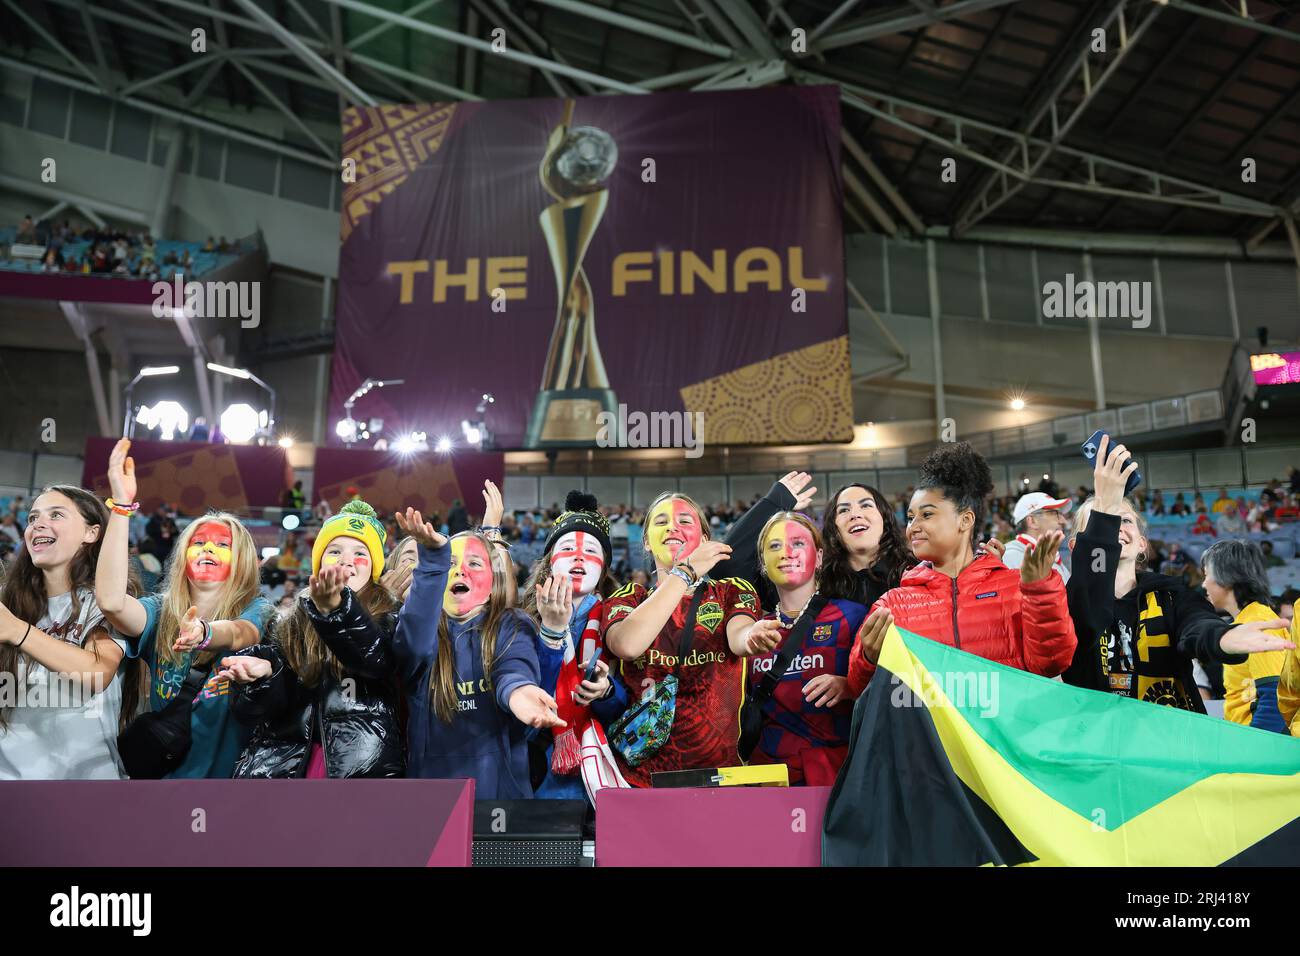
195	476
589	260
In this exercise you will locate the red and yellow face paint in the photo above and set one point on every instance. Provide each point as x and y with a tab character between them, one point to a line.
353	554
209	555
469	581
789	555
673	531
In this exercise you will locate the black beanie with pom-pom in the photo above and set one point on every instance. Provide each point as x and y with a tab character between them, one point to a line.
580	514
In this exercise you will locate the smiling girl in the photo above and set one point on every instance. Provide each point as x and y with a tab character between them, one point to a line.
866	553
1140	632
210	604
961	594
468	664
646	629
59	662
321	694
807	707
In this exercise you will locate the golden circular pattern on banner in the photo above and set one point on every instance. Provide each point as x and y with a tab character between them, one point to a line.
799	397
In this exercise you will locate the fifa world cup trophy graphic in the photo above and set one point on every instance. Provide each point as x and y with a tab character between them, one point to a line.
575	388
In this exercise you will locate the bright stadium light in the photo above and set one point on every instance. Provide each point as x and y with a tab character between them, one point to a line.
286	441
168	417
160	370
1017	404
227	370
410	443
444	445
290	522
239	422
128	430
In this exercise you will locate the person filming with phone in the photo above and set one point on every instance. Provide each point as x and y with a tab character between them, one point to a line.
1140	632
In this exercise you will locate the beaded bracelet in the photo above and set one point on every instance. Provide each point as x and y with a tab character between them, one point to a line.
121	509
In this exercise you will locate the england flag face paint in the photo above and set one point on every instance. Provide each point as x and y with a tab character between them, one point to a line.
580	556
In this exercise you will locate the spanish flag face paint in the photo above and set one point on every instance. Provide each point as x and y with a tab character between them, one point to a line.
208	557
673	531
789	555
469	581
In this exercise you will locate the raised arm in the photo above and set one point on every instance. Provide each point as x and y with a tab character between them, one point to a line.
125	613
789	494
415	642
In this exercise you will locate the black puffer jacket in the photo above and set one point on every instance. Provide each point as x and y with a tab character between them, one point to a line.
355	720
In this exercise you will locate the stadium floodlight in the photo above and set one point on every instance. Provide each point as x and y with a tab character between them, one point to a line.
266	422
410	443
239	422
167	416
128	425
290	522
286	441
1017	404
444	445
348	428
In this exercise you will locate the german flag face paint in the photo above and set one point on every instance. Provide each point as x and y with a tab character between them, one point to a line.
673	531
789	555
579	556
208	557
469	581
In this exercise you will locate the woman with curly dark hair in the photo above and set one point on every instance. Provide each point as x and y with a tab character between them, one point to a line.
961	594
866	553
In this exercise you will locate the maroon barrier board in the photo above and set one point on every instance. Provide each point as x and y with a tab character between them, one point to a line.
722	826
236	823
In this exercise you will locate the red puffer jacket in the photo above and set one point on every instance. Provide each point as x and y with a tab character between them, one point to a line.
987	611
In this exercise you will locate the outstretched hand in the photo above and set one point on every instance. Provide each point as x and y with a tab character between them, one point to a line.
493	507
413	523
1254	637
121	473
1039	562
796	482
535	708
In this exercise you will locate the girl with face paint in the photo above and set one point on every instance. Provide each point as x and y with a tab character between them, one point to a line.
644	629
468	663
209	605
55	641
321	695
961	594
564	596
807	713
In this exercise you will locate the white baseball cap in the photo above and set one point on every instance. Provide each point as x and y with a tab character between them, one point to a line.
1037	501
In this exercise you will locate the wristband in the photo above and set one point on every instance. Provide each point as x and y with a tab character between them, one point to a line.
553	635
121	509
489	527
207	635
680	572
25	633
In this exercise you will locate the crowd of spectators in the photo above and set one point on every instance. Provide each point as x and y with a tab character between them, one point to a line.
85	249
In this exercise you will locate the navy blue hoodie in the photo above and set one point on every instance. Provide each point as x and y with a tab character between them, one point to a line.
484	740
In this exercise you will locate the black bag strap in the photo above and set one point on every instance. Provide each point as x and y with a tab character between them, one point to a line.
688	637
194	681
789	647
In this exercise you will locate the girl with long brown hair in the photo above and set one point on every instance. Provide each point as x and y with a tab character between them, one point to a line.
321	696
62	670
209	604
866	553
468	663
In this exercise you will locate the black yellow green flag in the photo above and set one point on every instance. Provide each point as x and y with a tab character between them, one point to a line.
955	760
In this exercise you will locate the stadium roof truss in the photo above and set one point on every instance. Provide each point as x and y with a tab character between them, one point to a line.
1148	134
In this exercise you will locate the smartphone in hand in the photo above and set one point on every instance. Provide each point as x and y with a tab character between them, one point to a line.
1093	445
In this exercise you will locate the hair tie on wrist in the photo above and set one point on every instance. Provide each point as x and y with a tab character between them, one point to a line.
207	635
25	633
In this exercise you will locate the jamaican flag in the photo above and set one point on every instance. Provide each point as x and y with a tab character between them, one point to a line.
954	760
